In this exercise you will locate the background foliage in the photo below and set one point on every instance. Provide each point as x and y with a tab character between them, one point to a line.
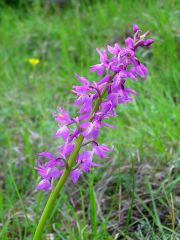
135	195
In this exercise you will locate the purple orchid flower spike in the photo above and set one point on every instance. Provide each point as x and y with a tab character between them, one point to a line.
95	102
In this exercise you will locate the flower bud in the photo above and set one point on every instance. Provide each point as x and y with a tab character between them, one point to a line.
135	28
148	42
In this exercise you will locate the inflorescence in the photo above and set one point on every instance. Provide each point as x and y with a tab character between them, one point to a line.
97	102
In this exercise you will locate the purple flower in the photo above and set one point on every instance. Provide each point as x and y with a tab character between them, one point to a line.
96	102
85	102
74	175
62	117
140	40
47	155
74	135
85	161
104	80
53	161
106	111
43	185
91	129
114	50
42	170
148	42
140	70
103	56
54	173
135	28
101	150
63	132
66	149
99	68
126	57
49	169
129	42
79	90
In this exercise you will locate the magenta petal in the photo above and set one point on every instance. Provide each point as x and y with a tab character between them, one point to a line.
131	74
100	71
74	175
129	42
54	173
104	79
141	70
51	163
108	125
44	185
130	90
46	155
83	80
62	116
123	74
85	156
114	50
103	55
99	68
148	42
95	134
63	132
82	117
85	125
94	164
95	67
111	49
135	28
66	149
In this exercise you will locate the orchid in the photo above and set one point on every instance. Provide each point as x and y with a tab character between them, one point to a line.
96	102
121	66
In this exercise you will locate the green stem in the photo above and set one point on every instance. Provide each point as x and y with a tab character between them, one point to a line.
63	178
54	194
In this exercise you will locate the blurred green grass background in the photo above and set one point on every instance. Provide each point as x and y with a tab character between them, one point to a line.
135	195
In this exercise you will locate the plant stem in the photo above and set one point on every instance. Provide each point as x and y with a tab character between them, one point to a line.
54	194
63	178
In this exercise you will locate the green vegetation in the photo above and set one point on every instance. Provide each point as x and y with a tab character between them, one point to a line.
135	195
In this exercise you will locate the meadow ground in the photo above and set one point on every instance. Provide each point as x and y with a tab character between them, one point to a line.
135	194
